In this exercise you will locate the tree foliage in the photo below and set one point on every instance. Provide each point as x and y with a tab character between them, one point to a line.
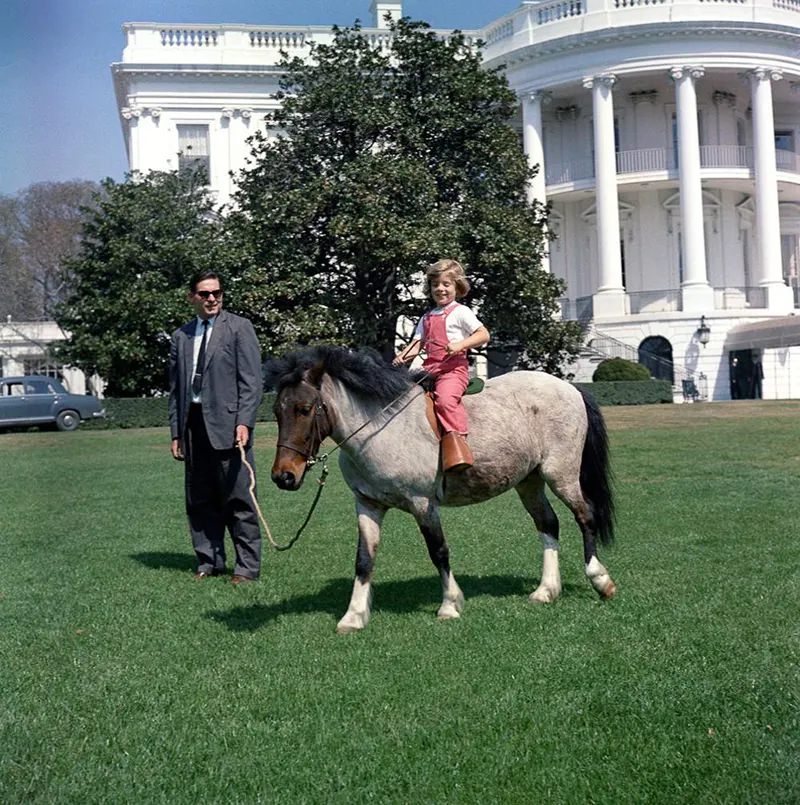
379	161
141	244
39	233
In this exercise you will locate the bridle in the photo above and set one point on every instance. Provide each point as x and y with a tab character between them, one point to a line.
318	434
313	457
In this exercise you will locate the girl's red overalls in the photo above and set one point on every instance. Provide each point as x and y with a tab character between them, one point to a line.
451	372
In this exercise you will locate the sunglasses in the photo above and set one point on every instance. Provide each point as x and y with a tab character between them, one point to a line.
217	294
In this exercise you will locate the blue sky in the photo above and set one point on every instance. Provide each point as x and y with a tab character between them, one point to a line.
59	118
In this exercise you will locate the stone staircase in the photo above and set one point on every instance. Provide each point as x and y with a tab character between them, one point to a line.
599	346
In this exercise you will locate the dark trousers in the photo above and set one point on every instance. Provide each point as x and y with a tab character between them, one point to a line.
218	497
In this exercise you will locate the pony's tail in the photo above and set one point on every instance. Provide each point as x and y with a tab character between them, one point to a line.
595	476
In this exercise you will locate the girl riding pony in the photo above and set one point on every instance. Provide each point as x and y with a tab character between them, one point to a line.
446	333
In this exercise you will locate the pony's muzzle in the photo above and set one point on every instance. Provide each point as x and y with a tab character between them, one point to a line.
286	480
288	472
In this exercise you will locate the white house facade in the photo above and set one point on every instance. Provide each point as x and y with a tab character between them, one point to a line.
667	137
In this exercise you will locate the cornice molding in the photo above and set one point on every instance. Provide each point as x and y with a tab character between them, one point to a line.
611	37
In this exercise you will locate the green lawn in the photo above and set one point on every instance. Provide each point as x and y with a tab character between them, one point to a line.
123	680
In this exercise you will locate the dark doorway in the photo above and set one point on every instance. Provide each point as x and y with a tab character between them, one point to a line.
746	374
655	353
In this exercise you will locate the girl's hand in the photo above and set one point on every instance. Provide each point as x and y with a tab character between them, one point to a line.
398	360
454	347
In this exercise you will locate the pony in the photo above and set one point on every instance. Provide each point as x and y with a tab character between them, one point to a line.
528	430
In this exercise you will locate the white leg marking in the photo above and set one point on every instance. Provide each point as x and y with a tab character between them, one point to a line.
550	586
369	531
601	581
452	599
357	615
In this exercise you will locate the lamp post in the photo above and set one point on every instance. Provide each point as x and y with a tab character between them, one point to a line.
703	332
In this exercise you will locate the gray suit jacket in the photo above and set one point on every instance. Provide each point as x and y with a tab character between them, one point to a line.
232	383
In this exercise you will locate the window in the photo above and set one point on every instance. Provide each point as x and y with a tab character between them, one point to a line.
741	132
790	257
193	148
40	366
784	140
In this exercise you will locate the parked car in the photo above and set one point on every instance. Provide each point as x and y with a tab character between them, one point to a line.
40	400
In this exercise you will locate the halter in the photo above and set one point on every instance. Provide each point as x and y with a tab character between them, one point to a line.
312	456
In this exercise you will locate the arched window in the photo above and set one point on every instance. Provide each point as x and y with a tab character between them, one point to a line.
655	353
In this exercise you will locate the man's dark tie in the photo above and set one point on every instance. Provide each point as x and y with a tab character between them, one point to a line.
197	380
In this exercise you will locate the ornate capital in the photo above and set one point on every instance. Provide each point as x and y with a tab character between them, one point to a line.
543	96
154	111
600	80
687	71
766	74
227	112
131	112
246	113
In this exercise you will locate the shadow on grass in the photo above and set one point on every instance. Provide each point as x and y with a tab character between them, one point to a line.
160	560
409	595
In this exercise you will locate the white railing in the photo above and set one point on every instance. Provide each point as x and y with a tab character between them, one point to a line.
189	37
573	171
787	161
499	32
726	156
283	40
644	160
650	160
558	10
636	3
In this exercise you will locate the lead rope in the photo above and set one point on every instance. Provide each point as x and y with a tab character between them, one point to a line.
321	483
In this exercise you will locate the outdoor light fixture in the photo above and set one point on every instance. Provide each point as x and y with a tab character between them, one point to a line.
703	332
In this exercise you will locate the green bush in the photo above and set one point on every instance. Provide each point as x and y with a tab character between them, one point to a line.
620	369
629	392
153	412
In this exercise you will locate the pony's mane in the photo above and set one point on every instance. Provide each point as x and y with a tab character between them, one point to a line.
362	370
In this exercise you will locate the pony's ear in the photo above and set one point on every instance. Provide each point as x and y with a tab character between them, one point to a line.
314	374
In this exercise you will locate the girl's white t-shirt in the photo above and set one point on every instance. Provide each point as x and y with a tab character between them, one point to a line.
460	323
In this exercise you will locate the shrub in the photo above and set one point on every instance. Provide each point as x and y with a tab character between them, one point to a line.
629	392
153	412
620	369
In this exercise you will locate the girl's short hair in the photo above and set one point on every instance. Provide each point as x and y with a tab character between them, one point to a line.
454	271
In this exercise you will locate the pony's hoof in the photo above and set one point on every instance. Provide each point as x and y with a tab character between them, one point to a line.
610	591
448	612
543	595
351	623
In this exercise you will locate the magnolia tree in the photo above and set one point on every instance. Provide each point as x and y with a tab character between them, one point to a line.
379	161
142	242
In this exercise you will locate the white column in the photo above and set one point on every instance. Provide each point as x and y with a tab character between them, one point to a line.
779	295
697	293
132	115
609	300
532	144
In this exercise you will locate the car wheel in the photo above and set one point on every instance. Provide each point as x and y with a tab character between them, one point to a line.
68	420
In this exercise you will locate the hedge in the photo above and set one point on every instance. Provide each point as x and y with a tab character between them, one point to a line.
629	392
153	412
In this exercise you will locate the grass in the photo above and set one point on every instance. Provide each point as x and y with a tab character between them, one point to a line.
125	681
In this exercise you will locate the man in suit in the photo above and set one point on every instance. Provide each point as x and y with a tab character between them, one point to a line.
215	390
